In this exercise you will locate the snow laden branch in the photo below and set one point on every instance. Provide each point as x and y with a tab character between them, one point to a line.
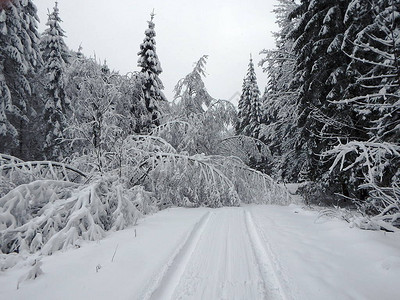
184	162
148	174
377	163
245	148
42	169
8	159
194	180
51	215
14	172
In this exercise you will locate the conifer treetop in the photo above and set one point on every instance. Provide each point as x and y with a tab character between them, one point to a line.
148	59
53	37
150	69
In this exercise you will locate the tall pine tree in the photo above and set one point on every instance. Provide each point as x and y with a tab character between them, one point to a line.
19	59
372	43
320	77
249	105
150	70
279	103
55	56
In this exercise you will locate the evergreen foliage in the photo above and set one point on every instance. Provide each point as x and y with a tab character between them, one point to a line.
198	121
55	55
150	70
249	115
333	98
191	95
19	58
320	78
279	110
373	161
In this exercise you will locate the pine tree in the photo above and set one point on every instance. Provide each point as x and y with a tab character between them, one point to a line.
19	58
105	70
150	70
372	43
243	108
279	103
55	56
320	77
249	105
255	112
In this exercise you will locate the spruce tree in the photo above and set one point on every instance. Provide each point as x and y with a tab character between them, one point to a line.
372	42
150	70
19	59
249	105
55	56
243	108
278	127
320	77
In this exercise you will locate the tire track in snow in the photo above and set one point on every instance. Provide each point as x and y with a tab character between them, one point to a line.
266	261
223	265
164	284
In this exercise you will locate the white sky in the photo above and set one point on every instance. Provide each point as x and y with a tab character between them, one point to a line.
226	30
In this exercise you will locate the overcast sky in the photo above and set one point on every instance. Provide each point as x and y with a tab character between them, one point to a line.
226	30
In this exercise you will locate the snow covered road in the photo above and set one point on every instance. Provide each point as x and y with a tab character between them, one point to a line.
251	252
222	262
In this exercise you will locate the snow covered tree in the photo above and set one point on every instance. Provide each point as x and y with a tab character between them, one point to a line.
243	108
372	42
150	70
55	55
198	121
320	76
373	162
19	58
279	103
132	104
191	96
200	124
249	105
94	129
249	120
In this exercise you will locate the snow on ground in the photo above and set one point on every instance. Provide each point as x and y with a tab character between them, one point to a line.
325	259
251	252
137	263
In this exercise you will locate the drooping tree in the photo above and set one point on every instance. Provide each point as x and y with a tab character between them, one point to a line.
198	121
55	56
191	95
150	70
19	59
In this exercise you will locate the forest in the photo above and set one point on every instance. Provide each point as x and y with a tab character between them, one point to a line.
85	150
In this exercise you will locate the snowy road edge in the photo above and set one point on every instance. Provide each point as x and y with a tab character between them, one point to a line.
165	283
265	260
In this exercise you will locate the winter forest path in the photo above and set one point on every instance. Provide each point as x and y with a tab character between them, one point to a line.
252	252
